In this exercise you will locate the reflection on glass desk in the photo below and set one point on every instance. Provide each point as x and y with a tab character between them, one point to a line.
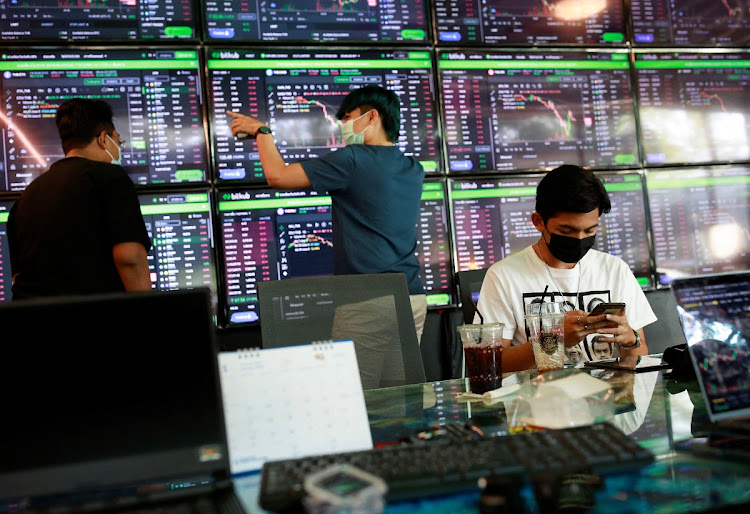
653	409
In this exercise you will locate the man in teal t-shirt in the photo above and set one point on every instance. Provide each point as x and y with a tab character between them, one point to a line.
375	189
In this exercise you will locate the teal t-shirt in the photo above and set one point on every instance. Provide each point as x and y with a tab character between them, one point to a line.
375	192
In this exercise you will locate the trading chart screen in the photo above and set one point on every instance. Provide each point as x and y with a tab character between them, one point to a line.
700	219
461	22
316	20
492	219
694	106
713	310
155	94
275	235
181	231
90	20
5	273
691	22
297	92
533	110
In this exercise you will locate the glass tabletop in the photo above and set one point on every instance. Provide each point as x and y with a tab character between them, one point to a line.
653	409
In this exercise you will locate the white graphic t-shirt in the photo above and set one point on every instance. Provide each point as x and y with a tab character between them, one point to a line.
521	279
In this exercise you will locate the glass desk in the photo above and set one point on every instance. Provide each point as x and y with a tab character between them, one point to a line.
654	410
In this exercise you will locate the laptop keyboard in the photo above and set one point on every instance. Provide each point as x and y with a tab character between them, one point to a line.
420	470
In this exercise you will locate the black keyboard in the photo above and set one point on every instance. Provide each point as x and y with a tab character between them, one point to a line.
418	470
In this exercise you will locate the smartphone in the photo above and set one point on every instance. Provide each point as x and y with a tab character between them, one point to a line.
631	363
607	308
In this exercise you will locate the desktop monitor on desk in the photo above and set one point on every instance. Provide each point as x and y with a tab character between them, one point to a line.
105	392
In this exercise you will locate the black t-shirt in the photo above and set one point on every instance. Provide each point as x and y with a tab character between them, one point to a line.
62	229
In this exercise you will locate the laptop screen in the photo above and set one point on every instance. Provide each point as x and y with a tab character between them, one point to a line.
715	316
107	392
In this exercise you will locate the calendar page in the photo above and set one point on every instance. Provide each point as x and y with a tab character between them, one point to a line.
296	401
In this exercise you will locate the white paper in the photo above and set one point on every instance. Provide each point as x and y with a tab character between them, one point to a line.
576	386
283	403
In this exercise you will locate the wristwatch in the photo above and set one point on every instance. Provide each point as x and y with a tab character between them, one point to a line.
635	345
262	130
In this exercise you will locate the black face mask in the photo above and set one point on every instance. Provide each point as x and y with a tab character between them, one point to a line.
569	249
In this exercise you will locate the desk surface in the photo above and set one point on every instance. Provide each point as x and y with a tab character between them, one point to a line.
663	412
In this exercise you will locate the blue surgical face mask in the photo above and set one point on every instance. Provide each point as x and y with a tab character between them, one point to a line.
350	137
117	161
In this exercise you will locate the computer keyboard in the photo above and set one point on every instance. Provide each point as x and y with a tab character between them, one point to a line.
420	470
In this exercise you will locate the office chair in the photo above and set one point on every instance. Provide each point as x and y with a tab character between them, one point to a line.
667	330
373	310
469	284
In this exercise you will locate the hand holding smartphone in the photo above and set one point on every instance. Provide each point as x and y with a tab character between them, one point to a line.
608	308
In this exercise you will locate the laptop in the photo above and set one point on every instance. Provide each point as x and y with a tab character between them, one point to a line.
714	312
112	402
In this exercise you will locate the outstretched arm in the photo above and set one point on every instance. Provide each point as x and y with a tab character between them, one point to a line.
279	174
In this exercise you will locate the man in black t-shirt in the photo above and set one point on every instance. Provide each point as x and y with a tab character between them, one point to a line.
77	228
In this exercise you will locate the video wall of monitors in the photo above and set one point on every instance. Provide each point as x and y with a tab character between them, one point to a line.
694	106
510	111
700	219
492	219
156	95
5	271
650	94
298	92
275	235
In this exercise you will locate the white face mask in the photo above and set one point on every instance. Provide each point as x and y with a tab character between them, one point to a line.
350	137
117	161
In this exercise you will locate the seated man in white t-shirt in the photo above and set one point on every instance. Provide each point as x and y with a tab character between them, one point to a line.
569	202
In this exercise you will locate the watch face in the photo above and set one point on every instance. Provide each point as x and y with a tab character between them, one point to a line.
264	130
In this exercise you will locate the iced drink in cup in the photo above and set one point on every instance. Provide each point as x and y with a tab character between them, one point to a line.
545	325
483	351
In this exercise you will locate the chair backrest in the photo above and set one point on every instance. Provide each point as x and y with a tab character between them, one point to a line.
469	285
667	330
373	310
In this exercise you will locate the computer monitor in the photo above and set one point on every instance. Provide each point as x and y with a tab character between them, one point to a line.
532	110
6	276
492	219
180	224
690	22
97	20
298	91
496	22
693	106
155	94
323	21
715	318
275	235
700	220
109	393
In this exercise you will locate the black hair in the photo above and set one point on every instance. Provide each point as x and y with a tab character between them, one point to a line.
570	188
382	100
79	120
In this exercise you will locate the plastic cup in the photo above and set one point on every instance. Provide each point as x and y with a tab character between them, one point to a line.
545	326
483	352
